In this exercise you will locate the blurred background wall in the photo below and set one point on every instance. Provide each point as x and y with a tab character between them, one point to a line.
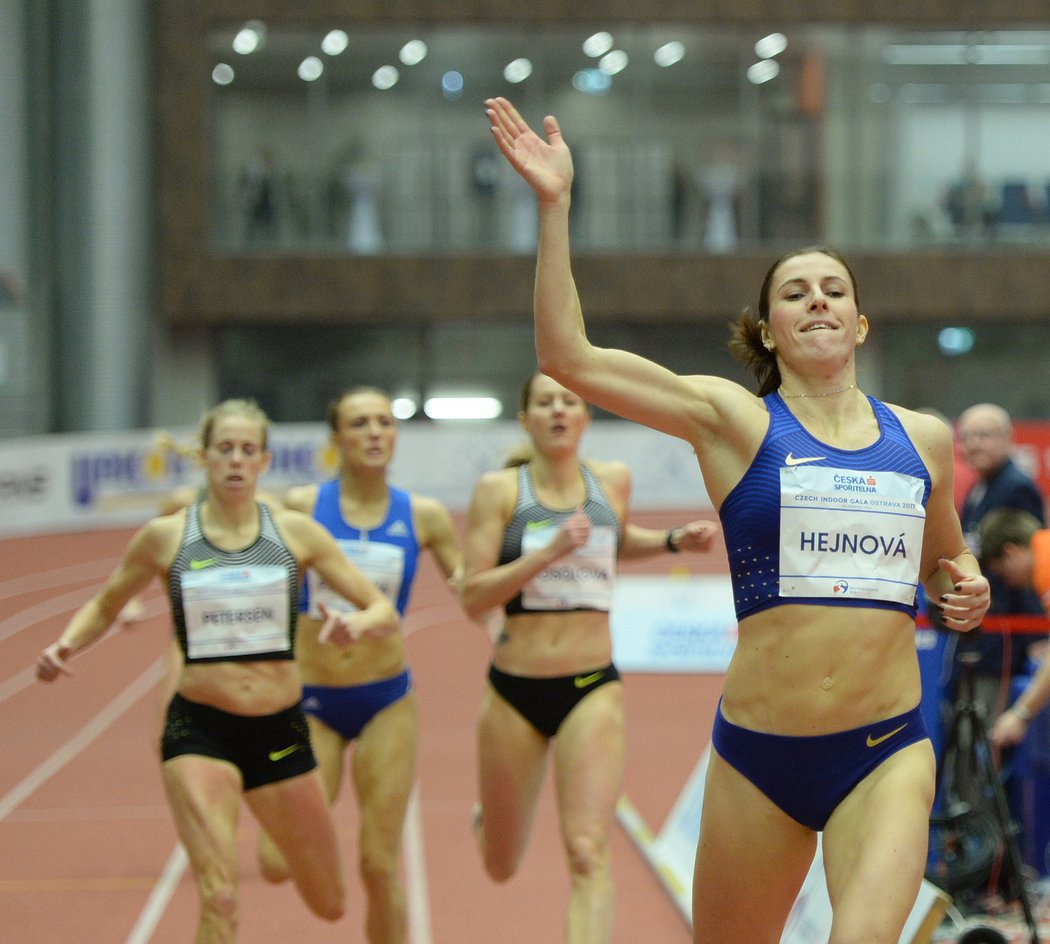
247	197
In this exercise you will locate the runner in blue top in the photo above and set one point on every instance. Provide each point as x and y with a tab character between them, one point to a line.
365	697
834	506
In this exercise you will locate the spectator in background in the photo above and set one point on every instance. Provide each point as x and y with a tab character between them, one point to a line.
969	206
1017	549
986	436
965	477
258	187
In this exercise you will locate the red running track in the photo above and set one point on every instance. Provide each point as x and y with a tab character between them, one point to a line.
89	850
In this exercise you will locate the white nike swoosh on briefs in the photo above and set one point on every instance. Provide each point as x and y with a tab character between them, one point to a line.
791	460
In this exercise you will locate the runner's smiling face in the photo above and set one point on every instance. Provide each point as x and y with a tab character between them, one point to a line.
813	310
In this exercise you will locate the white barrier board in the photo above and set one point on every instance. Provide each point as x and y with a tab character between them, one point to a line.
673	624
79	481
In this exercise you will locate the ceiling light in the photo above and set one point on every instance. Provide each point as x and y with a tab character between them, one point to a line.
413	52
311	69
517	71
385	77
250	37
335	43
955	341
404	408
763	71
598	44
613	62
669	53
452	85
462	408
222	74
592	81
772	45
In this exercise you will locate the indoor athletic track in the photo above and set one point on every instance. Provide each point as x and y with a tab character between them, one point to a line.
88	849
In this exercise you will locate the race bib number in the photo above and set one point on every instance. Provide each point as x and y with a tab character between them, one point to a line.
848	534
382	563
580	580
236	611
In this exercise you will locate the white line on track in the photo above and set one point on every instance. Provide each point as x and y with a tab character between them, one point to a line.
48	609
83	738
22	680
416	873
44	580
157	903
419	918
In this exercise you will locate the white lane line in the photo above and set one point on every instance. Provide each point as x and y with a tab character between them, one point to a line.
44	580
418	898
56	606
46	610
430	617
22	680
18	682
158	900
416	873
83	738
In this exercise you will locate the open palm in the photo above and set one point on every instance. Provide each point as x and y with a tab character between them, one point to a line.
546	166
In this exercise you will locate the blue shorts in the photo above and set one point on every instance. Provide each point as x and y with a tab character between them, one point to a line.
347	709
546	702
808	777
264	748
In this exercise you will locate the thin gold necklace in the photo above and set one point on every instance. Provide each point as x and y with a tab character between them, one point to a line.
813	396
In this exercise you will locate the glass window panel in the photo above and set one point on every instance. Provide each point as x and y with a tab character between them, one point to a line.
861	136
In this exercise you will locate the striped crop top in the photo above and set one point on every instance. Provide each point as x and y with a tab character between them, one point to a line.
582	580
234	605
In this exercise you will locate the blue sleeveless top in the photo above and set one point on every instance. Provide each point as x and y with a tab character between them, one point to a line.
396	529
751	512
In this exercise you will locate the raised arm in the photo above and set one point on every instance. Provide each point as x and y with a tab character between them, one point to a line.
615	380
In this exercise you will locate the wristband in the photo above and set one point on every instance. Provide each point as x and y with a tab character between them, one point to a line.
669	543
1023	713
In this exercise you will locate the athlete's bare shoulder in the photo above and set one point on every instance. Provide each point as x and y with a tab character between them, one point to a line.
158	539
614	471
929	432
497	488
427	508
301	498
